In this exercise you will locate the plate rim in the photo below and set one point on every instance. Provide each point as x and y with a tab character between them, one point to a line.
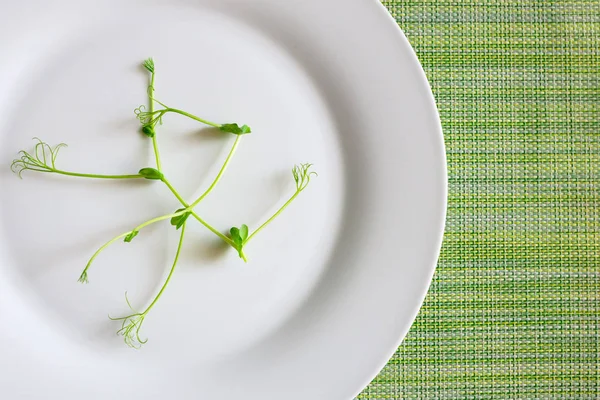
386	15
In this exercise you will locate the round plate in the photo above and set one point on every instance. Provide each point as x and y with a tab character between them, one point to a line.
331	286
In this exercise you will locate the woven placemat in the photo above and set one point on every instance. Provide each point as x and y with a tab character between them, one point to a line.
514	308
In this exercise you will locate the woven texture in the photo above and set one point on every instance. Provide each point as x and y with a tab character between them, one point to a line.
514	308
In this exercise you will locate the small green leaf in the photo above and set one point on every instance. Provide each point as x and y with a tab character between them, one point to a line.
179	220
244	232
151	173
130	237
148	130
235	129
235	235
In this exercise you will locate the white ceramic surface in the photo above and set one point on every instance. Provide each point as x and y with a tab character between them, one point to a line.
331	287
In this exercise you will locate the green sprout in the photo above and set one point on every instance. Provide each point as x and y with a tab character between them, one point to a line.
43	159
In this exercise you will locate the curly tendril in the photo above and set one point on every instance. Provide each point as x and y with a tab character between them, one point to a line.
41	159
130	328
150	118
302	175
149	64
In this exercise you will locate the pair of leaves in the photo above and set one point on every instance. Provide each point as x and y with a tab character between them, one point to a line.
239	236
151	173
179	220
236	129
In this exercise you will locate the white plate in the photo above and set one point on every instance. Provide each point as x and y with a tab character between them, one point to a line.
332	286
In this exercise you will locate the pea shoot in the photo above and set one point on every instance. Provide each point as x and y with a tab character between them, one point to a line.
43	159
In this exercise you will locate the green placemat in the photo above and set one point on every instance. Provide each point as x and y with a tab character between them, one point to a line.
514	308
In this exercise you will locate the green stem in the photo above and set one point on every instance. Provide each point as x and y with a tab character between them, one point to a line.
83	277
157	219
175	192
162	289
213	230
204	121
196	216
267	222
151	92
156	153
151	105
220	174
97	176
